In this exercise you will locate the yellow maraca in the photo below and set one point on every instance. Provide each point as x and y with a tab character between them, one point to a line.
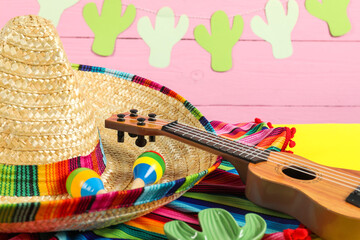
84	182
148	168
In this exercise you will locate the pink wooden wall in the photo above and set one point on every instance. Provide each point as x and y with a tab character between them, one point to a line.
319	83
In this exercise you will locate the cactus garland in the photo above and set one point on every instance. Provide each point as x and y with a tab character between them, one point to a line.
107	25
278	30
221	41
163	36
52	9
333	12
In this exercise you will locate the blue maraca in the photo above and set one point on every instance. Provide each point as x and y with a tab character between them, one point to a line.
84	182
148	168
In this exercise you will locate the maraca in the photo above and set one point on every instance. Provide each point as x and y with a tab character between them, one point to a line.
84	182
148	168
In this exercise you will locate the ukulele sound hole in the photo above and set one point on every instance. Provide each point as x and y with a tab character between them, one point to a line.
300	173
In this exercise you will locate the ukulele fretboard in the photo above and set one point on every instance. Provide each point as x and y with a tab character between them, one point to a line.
220	144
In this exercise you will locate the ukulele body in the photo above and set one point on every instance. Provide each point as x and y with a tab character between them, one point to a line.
317	203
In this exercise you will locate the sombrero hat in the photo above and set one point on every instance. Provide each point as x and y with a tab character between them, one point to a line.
52	122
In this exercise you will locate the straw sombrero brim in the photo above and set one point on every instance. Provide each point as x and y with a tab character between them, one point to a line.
109	92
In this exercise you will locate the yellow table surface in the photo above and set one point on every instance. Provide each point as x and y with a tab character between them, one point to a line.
334	145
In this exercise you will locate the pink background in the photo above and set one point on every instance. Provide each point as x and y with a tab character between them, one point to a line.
319	83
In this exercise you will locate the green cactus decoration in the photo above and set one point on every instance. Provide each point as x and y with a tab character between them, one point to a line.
217	223
222	39
108	25
334	12
278	30
163	36
52	9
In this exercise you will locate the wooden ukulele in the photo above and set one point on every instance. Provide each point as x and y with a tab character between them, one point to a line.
325	199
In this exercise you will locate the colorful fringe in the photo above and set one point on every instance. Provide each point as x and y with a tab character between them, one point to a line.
49	179
255	133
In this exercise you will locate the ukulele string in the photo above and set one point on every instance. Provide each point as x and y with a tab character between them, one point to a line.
299	170
304	163
286	157
260	153
279	162
336	173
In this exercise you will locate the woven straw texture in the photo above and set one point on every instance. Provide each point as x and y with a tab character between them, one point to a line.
42	113
51	114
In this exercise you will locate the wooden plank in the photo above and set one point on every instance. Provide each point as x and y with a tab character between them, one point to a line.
281	114
319	73
317	84
72	23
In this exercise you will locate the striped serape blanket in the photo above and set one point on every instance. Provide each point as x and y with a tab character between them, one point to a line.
221	189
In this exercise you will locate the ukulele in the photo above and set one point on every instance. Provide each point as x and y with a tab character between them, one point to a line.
324	199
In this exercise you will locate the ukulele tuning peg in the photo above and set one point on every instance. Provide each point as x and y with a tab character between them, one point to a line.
141	121
120	136
152	117
132	135
151	138
121	117
133	112
140	141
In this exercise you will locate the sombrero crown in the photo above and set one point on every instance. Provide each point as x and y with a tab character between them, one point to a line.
43	118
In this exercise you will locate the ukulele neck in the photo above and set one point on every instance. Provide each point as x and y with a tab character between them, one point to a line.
238	154
228	149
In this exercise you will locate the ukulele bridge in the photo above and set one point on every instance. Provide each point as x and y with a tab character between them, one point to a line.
354	197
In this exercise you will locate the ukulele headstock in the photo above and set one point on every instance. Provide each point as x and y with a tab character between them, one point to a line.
136	125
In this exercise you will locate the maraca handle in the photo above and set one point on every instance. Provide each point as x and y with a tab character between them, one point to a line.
102	191
138	183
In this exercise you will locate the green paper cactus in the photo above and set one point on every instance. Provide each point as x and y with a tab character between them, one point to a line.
52	9
278	30
217	223
222	39
334	12
163	36
108	25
